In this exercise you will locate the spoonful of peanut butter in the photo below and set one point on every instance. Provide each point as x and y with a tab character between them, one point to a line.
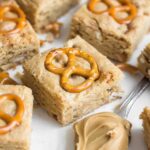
103	131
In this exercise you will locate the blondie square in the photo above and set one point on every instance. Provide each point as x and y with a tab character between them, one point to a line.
66	106
18	40
16	137
145	116
144	62
43	12
114	39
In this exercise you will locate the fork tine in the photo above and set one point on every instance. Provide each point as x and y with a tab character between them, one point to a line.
126	106
140	88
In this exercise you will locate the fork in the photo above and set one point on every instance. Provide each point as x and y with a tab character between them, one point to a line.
127	105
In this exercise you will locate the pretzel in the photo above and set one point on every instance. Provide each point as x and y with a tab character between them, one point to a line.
128	68
5	79
20	21
11	121
126	6
72	69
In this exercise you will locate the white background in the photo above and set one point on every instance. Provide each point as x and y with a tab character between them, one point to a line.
47	134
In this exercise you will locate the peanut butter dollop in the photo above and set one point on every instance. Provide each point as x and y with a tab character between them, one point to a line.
103	131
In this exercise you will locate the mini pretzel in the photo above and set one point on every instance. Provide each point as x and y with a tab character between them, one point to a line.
11	121
5	79
126	6
72	69
20	21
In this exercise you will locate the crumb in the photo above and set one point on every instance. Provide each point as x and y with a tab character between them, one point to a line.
107	77
114	98
54	28
42	42
53	31
118	90
116	93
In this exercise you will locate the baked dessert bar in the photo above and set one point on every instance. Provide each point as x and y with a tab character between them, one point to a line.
43	12
73	90
145	116
16	104
18	40
108	30
102	131
144	62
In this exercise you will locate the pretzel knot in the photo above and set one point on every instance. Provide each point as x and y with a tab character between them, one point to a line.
72	68
112	9
20	20
11	121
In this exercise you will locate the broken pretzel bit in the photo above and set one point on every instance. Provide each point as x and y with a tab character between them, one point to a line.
54	28
42	42
128	68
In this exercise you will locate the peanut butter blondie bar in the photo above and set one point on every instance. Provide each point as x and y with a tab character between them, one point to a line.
113	27
144	62
18	41
43	12
70	82
16	104
145	116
